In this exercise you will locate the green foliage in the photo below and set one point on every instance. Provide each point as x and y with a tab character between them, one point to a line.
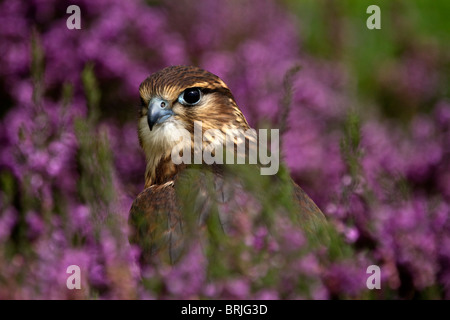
37	67
285	104
350	144
336	30
92	92
8	187
95	159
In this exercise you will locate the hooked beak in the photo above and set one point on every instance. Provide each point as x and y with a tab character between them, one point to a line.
158	111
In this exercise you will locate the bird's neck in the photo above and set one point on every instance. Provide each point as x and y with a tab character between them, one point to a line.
161	172
162	169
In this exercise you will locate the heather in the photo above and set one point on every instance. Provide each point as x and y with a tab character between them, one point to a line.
364	116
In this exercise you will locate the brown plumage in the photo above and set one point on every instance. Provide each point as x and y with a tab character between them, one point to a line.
169	105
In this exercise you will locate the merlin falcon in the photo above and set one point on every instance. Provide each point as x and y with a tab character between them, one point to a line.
172	101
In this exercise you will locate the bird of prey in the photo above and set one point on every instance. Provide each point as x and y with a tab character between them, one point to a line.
172	101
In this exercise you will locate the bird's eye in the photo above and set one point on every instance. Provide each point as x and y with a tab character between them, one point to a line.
190	96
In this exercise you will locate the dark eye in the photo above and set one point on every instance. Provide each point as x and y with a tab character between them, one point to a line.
190	96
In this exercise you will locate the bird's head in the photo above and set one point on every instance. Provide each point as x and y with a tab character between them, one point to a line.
172	100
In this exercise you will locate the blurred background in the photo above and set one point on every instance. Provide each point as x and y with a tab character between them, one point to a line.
367	137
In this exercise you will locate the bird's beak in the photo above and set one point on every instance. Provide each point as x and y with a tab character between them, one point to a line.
159	110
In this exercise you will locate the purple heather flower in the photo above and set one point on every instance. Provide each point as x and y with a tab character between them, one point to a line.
7	222
237	288
250	45
186	279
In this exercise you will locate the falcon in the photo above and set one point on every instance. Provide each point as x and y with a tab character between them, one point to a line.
173	100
